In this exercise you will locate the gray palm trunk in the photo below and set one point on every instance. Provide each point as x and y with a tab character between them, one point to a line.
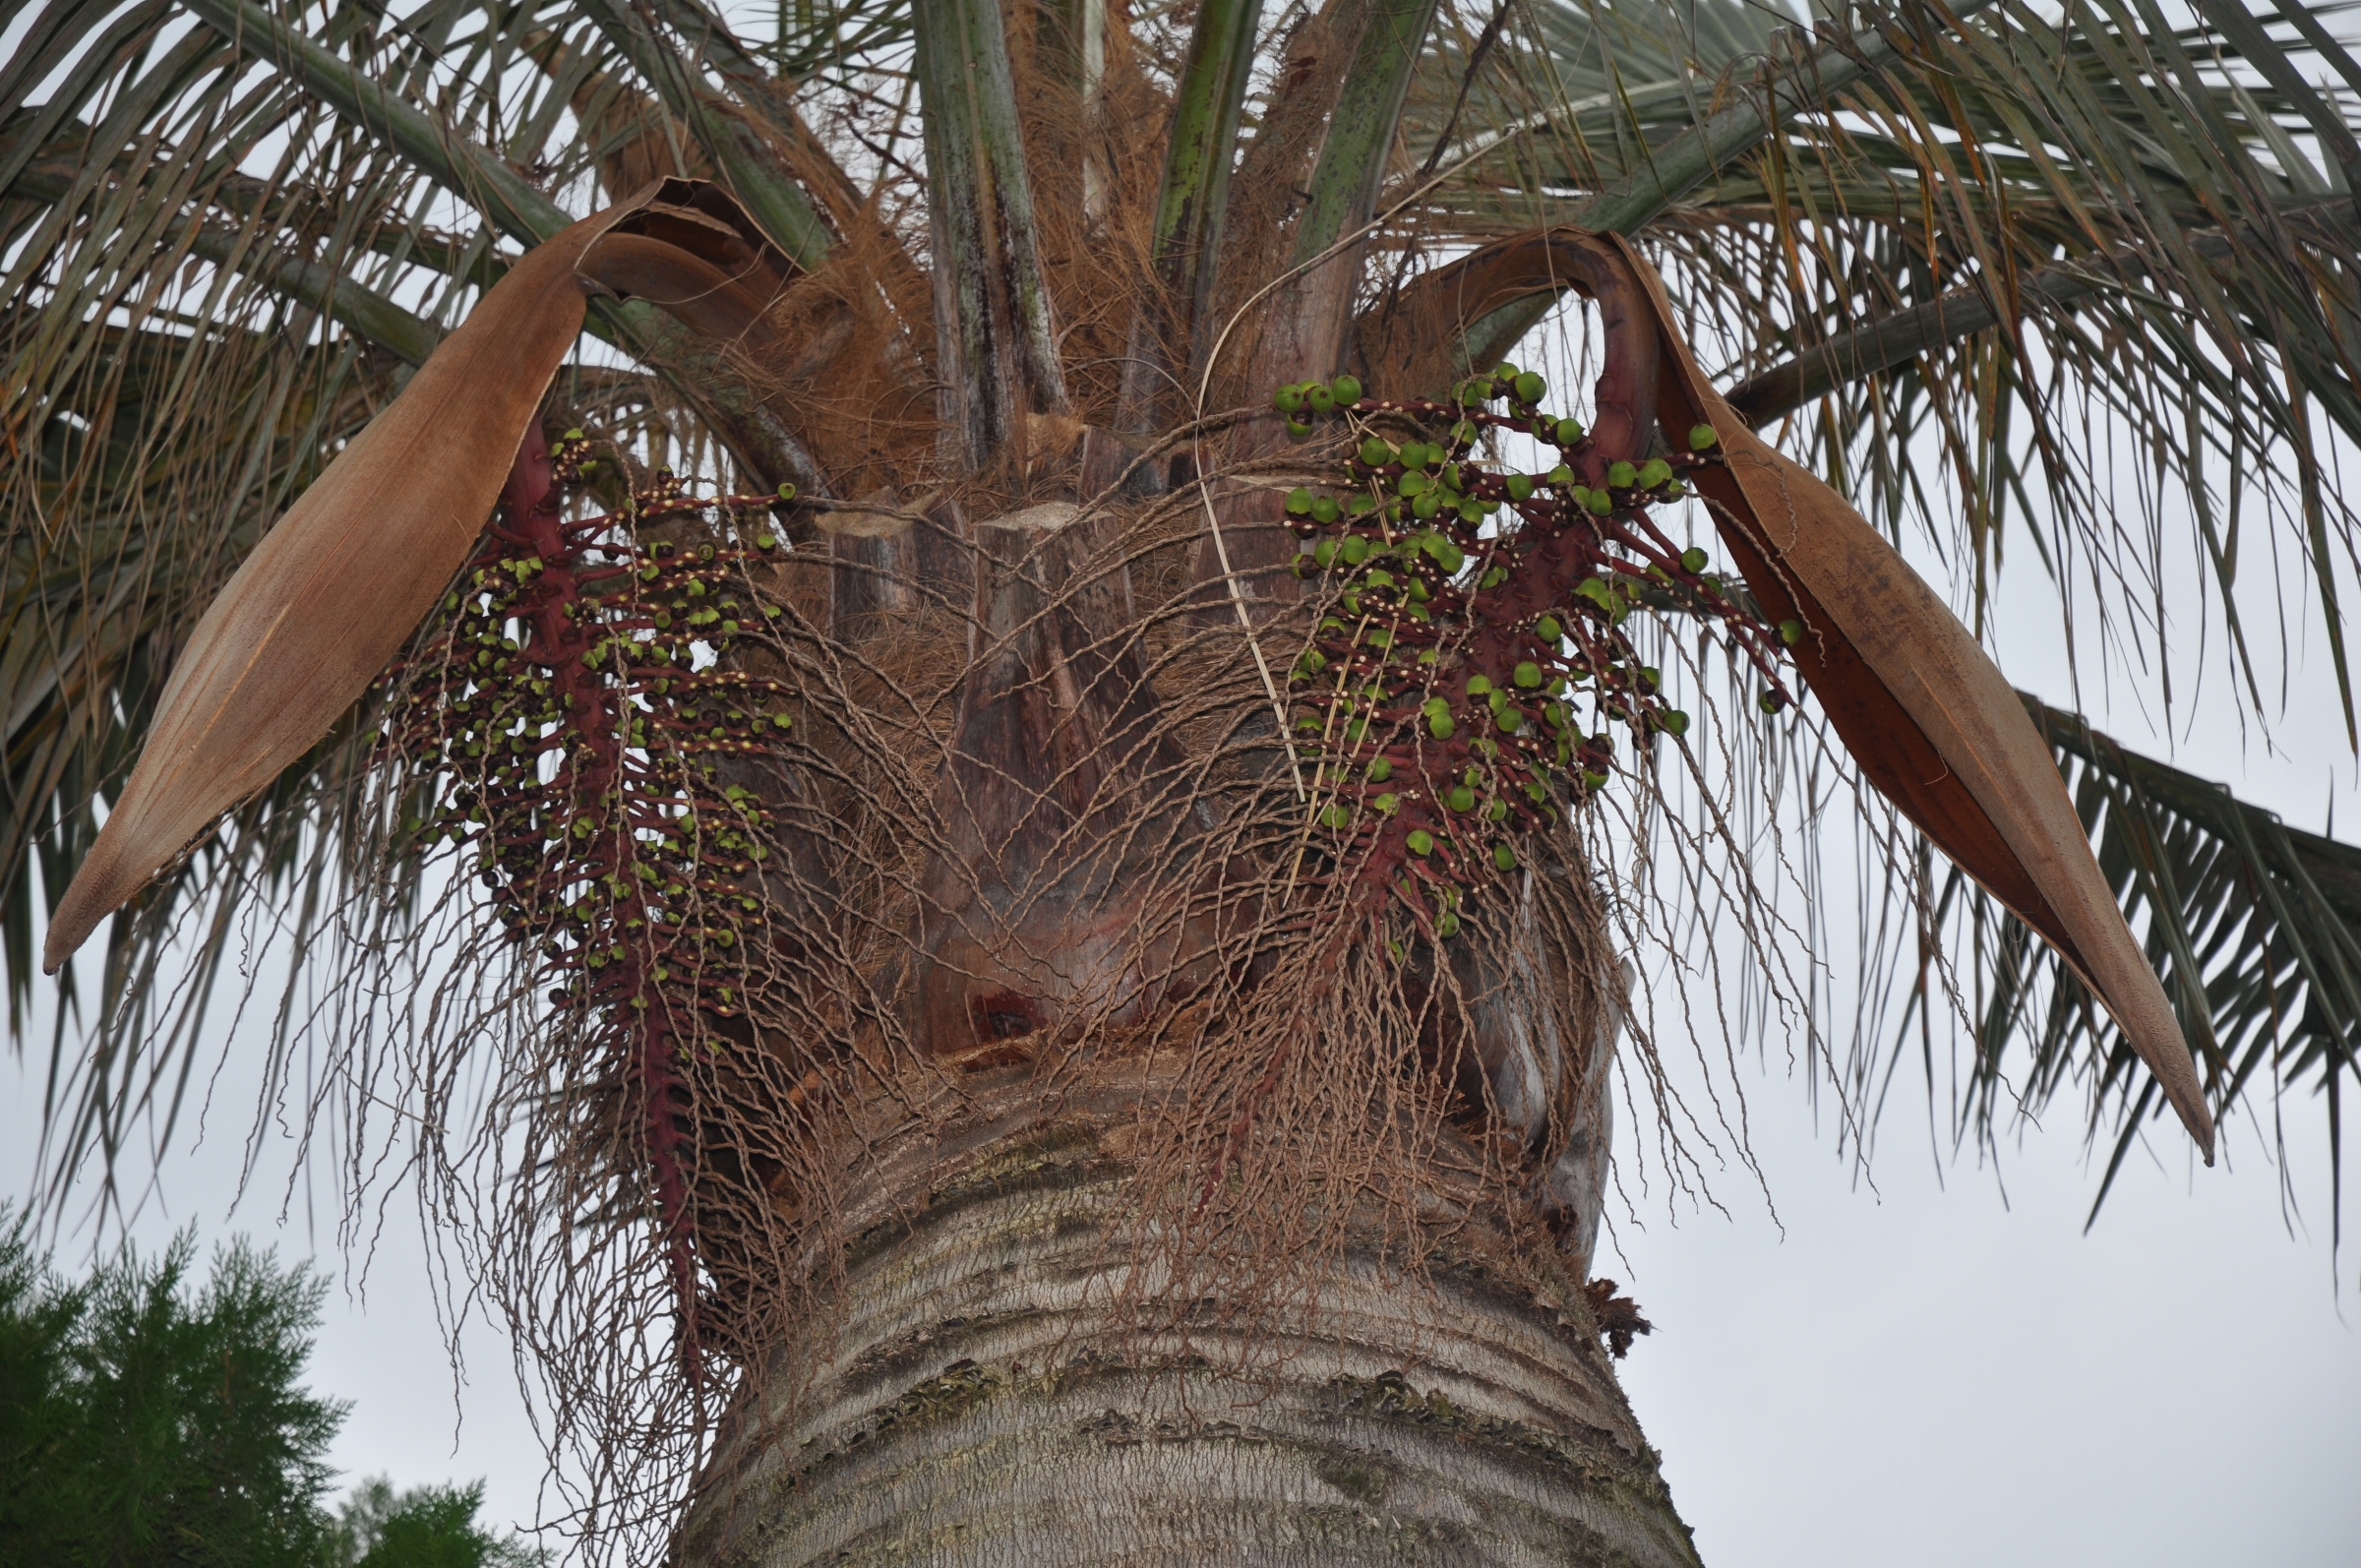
995	1384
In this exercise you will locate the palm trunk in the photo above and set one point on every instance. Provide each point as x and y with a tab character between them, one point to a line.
1003	1377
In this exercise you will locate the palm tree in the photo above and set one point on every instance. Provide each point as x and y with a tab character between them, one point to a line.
948	745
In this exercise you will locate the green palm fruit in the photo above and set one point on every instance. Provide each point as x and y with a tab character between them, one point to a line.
1598	503
1351	601
1510	720
1649	678
1495	812
1413	484
1497	700
1320	400
1446	925
1504	857
1494	579
1378	578
1299	502
1355	550
1460	798
1478	686
1387	804
1791	633
1430	502
1380	770
1419	591
1769	702
1536	791
1471	512
1324	553
1440	726
1703	439
1449	556
1529	388
787	492
1360	506
1336	817
1380	638
1567	432
1528	674
1621	476
1296	430
1520	486
1346	389
1312	662
1376	453
1419	842
1561	475
1287	400
1475	390
1548	628
1654	472
1310	723
1413	454
1692	558
1673	721
1324	510
1464	433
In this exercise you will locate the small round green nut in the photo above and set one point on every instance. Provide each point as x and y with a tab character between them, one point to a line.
1320	400
1528	674
1446	925
1324	510
1345	391
1376	453
787	492
1548	628
1520	486
1703	439
1440	726
1478	685
1380	770
1673	721
1770	702
1561	475
1569	432
1621	476
1355	550
1654	472
1336	817
1791	633
1296	430
1692	558
1387	804
1287	400
1460	798
1529	387
1504	857
1419	842
1324	553
1299	502
1510	720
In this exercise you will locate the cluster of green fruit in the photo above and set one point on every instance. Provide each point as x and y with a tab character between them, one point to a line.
578	697
1469	667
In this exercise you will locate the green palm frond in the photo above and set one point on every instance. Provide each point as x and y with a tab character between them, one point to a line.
2254	925
2154	221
